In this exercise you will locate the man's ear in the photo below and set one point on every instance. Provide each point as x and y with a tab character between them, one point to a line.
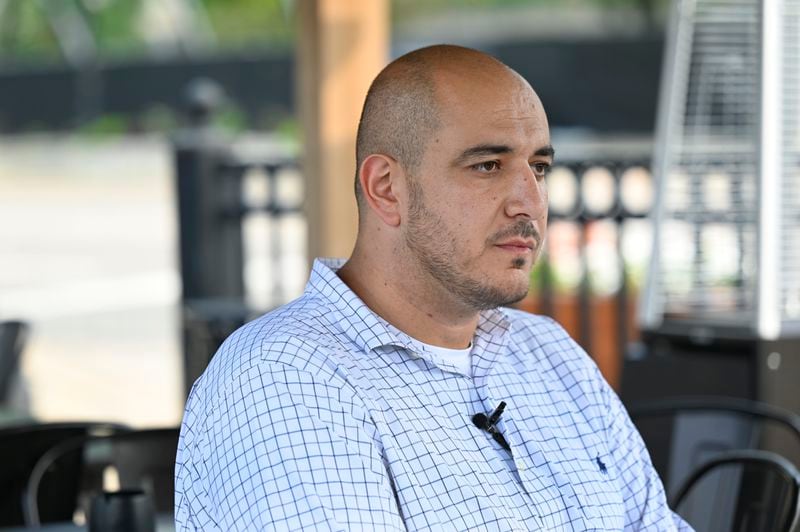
379	178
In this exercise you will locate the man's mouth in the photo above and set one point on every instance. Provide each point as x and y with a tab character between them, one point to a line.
517	245
520	237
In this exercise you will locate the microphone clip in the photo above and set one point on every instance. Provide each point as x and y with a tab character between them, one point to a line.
489	424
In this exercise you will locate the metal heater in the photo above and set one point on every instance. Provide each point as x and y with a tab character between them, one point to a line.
721	308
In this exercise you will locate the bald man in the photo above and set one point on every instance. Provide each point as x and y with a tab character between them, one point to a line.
396	393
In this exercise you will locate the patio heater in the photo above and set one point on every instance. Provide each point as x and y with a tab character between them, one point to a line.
721	308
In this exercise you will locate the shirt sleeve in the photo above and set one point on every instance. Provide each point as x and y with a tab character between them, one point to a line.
290	451
643	492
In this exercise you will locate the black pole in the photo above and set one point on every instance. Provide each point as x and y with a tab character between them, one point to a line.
211	246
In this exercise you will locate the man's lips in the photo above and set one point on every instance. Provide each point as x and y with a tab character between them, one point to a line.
519	237
519	246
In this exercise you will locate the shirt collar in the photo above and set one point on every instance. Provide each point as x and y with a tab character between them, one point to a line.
370	331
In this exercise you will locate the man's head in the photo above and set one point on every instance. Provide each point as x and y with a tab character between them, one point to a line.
452	151
400	112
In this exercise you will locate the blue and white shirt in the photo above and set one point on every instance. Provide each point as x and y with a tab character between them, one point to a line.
322	415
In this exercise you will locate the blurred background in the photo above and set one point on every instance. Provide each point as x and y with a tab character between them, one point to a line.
94	98
169	168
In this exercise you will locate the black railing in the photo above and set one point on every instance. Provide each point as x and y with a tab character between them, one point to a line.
213	208
584	193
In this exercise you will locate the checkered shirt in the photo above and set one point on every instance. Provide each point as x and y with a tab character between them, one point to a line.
321	415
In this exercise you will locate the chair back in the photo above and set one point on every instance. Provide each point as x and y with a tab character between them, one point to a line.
13	335
683	433
21	447
142	459
741	491
146	459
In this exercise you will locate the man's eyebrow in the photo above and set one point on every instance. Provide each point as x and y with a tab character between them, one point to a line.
481	150
546	151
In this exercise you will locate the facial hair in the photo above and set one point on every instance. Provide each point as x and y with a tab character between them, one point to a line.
436	250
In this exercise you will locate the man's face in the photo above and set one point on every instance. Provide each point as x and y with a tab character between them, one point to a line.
477	207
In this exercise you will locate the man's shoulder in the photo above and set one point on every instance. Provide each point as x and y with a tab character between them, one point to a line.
542	342
539	329
296	335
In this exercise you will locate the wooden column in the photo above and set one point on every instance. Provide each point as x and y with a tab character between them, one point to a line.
342	45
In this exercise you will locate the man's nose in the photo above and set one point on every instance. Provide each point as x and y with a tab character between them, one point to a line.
528	195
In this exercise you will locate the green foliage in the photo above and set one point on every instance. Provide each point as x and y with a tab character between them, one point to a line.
289	130
114	26
26	31
159	118
230	119
107	125
240	22
415	8
418	7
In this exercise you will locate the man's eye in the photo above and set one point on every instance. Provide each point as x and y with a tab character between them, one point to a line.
487	166
540	169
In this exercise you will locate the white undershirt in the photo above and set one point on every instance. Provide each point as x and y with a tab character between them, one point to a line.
460	358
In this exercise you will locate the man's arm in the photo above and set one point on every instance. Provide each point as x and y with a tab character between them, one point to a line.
643	491
285	450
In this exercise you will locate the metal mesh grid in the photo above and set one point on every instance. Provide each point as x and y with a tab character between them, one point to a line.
708	245
790	208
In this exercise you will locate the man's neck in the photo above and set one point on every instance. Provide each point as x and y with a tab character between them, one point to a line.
409	305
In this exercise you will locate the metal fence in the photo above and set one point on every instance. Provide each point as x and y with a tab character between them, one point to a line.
221	193
215	208
598	242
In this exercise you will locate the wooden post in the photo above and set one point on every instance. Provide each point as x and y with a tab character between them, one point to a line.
342	45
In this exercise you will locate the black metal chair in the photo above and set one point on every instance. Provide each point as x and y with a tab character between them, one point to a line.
683	433
13	335
146	459
21	447
742	491
142	459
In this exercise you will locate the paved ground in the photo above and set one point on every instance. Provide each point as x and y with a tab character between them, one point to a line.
87	240
88	255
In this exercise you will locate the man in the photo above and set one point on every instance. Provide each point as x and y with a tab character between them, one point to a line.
352	407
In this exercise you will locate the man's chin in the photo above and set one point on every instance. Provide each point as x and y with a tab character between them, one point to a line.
497	297
515	298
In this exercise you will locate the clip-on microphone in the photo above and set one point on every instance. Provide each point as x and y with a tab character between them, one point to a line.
489	425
